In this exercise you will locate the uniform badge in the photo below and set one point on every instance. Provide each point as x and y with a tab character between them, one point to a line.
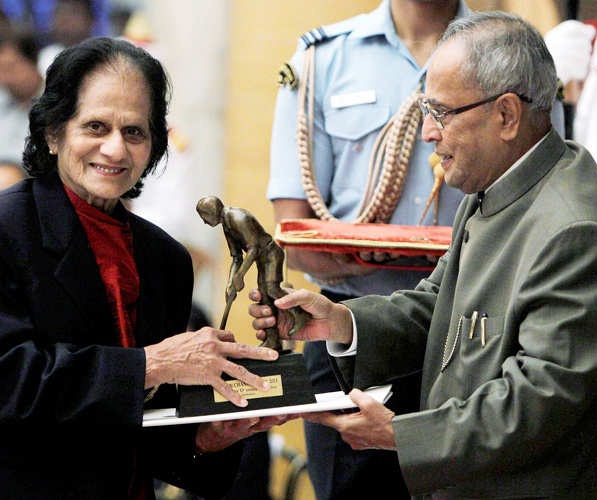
287	76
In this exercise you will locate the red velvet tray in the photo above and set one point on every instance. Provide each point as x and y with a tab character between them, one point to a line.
347	237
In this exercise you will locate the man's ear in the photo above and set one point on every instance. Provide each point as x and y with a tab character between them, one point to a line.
510	108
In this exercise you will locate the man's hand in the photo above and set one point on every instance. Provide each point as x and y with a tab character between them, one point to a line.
369	428
215	436
329	321
200	358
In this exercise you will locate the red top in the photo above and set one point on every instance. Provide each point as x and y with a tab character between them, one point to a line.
112	244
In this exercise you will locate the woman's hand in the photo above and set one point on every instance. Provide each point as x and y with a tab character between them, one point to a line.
215	436
200	358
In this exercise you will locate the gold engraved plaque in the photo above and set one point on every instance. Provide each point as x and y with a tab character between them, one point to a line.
287	377
249	392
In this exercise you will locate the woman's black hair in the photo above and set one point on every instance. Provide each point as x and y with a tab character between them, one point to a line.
58	103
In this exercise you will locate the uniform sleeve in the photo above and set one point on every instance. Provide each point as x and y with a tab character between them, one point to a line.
285	173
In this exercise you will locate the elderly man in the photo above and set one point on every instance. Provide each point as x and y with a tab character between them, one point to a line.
504	328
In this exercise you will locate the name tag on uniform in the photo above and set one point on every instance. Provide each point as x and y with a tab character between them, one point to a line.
353	99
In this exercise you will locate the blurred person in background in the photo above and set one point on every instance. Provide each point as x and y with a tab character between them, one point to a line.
20	82
572	46
38	16
72	22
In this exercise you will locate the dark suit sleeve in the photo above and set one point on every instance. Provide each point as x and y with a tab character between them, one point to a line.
392	331
170	450
61	382
53	366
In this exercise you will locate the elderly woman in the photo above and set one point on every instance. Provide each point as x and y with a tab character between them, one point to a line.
93	300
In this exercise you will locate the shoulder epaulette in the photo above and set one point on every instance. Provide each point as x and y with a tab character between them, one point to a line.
313	37
286	75
318	35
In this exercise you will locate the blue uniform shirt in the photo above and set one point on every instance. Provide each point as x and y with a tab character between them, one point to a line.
361	54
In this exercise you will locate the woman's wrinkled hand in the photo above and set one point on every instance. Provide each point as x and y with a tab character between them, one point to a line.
215	436
200	358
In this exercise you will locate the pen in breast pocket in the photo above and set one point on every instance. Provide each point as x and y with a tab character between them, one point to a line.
483	327
473	321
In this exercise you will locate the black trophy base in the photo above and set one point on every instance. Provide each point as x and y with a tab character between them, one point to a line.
287	376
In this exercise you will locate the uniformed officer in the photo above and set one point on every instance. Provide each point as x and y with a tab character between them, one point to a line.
351	79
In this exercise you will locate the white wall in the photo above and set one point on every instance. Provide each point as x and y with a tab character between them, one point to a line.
192	42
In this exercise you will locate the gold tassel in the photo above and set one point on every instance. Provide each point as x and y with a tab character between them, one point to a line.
435	162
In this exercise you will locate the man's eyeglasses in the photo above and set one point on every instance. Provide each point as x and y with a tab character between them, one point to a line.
438	112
